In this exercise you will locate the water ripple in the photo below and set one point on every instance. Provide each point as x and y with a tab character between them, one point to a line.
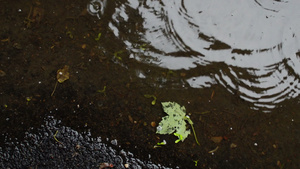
255	41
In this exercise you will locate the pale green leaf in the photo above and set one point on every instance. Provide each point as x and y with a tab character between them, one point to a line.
174	122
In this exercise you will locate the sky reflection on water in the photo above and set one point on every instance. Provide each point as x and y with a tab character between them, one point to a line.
256	40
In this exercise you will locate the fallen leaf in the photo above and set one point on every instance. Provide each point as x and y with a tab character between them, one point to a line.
216	139
63	74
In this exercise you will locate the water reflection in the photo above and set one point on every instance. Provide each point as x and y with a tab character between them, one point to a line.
256	42
96	7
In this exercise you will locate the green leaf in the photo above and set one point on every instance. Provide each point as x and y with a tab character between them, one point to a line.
174	122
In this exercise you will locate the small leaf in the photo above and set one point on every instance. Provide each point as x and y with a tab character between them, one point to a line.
217	139
174	122
63	74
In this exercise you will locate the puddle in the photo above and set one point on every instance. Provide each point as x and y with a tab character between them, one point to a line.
74	72
252	46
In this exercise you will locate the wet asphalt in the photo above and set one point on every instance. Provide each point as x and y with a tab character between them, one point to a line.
56	146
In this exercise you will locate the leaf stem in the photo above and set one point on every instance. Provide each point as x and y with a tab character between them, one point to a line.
191	123
195	135
54	89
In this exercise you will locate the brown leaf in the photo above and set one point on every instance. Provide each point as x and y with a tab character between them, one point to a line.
216	139
63	74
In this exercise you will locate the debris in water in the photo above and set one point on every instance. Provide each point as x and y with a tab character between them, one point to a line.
212	95
175	122
70	34
62	75
116	54
151	96
216	139
232	145
153	124
164	142
98	37
196	162
102	90
214	150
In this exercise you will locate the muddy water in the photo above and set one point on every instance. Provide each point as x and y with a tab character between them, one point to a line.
233	65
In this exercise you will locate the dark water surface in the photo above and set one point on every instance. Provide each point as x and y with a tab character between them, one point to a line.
234	65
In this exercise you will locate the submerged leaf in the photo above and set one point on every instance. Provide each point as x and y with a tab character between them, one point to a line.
217	139
63	74
174	122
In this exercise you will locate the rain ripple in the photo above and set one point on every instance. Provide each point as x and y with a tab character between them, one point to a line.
253	45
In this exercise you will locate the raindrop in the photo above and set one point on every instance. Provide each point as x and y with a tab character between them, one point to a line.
96	7
159	128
